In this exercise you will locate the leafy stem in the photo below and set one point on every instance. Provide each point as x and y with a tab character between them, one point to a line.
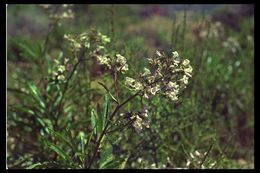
118	107
67	84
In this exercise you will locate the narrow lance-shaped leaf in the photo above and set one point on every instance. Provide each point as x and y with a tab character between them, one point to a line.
105	110
27	51
61	137
104	86
34	165
60	152
94	121
36	94
89	139
82	142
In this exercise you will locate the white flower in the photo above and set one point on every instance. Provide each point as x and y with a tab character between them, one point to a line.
138	123
105	39
172	85
129	81
55	73
172	95
188	163
158	53
197	153
153	165
153	90
120	59
125	68
61	68
61	77
145	113
146	72
184	79
66	60
104	60
65	15
139	160
133	84
175	54
212	164
77	46
188	71
185	62
192	156
138	86
151	79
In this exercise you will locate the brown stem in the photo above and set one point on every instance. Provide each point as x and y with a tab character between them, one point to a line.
121	127
206	155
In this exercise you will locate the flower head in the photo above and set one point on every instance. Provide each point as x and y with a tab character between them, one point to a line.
165	75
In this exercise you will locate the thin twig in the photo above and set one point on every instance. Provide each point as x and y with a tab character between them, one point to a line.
206	155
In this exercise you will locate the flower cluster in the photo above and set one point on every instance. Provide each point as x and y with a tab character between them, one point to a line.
58	74
95	43
139	119
117	62
232	44
93	40
166	76
57	13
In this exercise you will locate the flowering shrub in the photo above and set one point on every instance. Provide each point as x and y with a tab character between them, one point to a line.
95	93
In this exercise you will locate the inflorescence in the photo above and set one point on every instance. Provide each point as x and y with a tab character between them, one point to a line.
165	76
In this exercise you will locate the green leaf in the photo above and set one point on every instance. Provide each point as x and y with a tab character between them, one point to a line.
61	137
30	50
117	164
89	139
82	142
106	157
94	121
27	51
36	94
105	110
46	124
58	97
60	152
60	55
104	86
80	156
40	121
34	165
123	163
113	97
